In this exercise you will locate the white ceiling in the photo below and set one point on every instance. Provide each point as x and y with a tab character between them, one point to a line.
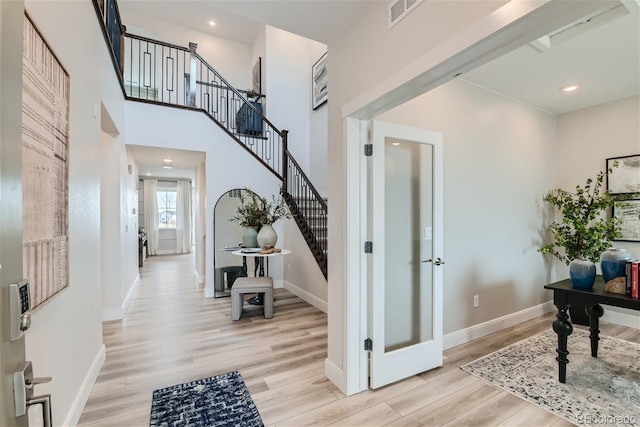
150	161
604	58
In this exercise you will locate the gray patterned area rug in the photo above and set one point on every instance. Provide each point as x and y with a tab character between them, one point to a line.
598	391
222	400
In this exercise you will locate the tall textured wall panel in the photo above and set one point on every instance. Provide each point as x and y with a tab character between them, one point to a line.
45	168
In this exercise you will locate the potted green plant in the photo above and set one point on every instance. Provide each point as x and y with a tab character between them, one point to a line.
583	232
250	215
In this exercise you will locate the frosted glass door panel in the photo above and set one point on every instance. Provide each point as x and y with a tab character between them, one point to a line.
408	242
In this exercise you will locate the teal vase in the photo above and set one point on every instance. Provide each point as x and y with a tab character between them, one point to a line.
250	237
582	274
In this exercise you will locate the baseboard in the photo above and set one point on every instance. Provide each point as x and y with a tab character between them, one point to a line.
118	313
200	278
112	314
483	329
166	252
624	319
335	375
73	416
132	291
308	297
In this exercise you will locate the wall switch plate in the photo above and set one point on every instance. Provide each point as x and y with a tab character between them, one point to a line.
428	233
476	300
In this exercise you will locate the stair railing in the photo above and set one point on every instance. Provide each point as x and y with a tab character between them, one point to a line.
163	73
159	72
309	209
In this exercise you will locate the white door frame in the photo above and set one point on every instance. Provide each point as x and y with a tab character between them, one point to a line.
509	27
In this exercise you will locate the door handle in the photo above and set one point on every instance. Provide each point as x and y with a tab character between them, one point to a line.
426	260
438	261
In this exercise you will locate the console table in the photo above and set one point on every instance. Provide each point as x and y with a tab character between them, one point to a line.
564	295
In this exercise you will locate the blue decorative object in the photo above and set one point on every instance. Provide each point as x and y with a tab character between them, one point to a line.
582	274
612	263
250	237
218	401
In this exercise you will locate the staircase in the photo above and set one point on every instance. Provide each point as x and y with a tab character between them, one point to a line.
161	73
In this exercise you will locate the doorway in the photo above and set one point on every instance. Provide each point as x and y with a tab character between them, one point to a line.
404	273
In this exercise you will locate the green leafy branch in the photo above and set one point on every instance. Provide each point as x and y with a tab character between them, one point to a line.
583	233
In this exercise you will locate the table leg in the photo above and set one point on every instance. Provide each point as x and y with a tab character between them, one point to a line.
258	271
563	329
595	313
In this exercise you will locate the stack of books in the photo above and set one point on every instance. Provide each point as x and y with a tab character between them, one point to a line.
632	270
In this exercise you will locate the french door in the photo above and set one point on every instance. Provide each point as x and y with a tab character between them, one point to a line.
406	269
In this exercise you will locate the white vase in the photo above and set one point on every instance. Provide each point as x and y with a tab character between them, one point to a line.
267	236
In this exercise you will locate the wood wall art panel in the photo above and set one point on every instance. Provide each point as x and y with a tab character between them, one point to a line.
45	168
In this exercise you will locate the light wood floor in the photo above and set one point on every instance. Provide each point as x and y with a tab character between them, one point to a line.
171	334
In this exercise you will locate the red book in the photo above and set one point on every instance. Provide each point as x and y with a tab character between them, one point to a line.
634	279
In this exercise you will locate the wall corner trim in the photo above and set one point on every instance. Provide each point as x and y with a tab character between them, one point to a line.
73	416
335	375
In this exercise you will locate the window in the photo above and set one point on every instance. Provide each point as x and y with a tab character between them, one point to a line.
167	207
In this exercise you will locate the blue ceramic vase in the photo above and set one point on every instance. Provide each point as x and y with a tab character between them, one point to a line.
250	237
582	274
612	263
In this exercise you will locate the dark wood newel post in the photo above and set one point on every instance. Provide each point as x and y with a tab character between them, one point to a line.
285	160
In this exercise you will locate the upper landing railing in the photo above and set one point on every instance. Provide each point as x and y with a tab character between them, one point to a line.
163	73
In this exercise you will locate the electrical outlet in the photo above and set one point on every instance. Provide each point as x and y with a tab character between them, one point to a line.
476	300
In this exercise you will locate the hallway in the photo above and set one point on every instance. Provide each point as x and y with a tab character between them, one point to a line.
171	335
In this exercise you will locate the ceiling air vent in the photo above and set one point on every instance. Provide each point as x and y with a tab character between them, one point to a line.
398	9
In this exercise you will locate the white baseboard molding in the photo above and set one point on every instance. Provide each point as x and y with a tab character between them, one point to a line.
166	252
308	297
627	319
73	416
133	289
200	278
335	375
209	293
483	329
118	313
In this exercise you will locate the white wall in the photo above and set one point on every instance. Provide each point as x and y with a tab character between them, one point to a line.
110	234
150	125
65	340
231	59
360	57
498	163
288	83
585	139
318	128
302	275
200	222
129	225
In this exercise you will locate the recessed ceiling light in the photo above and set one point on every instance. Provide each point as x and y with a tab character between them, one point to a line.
167	160
148	174
167	167
395	143
569	88
212	23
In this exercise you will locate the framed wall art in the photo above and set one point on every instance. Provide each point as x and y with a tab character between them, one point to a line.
256	74
626	177
628	212
45	168
319	82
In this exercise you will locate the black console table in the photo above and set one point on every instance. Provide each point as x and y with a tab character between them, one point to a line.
564	296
